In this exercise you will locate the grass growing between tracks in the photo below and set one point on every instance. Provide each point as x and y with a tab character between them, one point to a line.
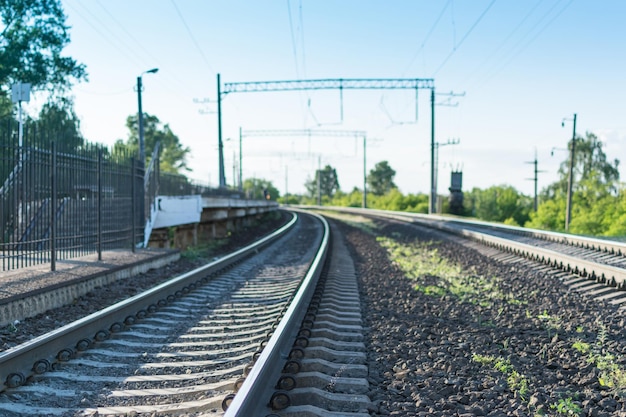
436	276
611	376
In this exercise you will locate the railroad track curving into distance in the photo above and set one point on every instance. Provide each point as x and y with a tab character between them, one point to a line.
282	328
187	345
600	264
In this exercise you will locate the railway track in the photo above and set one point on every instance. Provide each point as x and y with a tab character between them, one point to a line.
599	263
187	343
279	333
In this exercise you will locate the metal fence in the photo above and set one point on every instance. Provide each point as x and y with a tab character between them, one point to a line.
59	201
61	197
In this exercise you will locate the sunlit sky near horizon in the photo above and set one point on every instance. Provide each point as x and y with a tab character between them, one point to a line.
522	65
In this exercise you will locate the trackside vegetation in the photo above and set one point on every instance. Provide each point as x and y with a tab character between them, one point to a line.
598	196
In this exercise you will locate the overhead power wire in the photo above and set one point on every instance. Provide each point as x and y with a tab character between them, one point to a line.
127	33
193	39
456	47
517	50
430	32
119	44
110	37
293	40
303	51
506	40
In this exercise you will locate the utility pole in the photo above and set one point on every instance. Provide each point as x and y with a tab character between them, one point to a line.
433	194
432	206
220	144
570	177
535	179
240	160
364	173
454	141
319	180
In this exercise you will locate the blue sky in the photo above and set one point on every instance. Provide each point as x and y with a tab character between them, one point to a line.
523	66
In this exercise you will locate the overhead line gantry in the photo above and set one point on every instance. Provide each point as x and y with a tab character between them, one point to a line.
332	84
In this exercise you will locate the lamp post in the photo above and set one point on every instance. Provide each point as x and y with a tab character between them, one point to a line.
142	148
570	177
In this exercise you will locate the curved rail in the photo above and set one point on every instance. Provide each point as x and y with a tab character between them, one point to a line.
37	355
267	368
611	275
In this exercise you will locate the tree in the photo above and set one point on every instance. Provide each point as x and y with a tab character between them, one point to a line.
501	203
259	189
589	161
595	193
380	179
58	122
173	153
32	37
329	183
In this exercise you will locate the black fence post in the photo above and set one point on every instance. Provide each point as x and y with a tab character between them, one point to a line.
99	221
133	202
53	209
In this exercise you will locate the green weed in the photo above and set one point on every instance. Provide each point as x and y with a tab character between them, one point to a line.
516	381
436	276
567	407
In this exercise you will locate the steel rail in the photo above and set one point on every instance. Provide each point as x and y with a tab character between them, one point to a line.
610	275
259	384
37	355
602	245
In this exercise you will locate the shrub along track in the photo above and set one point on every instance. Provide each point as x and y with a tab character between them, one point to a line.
454	332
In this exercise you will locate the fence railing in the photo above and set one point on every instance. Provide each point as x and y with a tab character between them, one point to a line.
62	198
57	203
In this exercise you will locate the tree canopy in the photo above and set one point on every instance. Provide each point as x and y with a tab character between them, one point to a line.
596	193
500	203
58	121
255	188
380	179
173	153
329	183
33	34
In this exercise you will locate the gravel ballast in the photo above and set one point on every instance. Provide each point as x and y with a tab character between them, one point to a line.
541	350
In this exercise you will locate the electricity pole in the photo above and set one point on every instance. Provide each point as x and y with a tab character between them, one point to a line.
535	179
220	144
570	177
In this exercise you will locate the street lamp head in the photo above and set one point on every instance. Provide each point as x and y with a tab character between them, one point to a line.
562	123
152	71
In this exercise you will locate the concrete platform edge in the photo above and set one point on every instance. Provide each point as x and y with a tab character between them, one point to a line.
29	305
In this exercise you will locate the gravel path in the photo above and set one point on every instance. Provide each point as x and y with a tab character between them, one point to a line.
526	347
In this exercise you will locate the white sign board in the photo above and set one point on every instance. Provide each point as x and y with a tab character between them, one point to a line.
20	92
177	210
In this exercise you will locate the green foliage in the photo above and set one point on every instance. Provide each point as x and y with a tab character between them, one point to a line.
254	188
434	275
516	381
550	215
567	406
58	122
380	179
597	198
172	153
394	200
328	183
501	203
32	38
